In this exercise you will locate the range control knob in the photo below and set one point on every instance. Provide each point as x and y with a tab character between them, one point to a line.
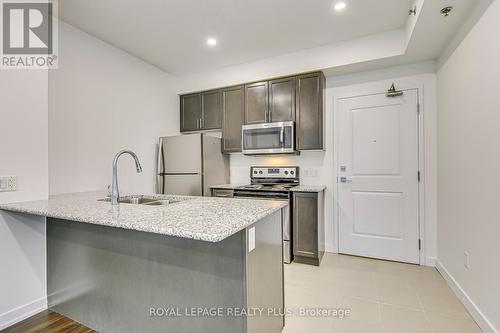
286	172
292	172
255	172
260	172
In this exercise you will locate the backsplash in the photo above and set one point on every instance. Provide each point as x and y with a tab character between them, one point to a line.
311	166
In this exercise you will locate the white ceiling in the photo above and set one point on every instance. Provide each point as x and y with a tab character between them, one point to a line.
171	34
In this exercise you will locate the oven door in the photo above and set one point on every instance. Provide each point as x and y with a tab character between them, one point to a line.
285	217
270	138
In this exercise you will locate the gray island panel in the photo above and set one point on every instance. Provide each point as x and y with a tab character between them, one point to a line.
110	279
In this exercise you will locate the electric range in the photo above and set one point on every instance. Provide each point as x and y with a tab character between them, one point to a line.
274	183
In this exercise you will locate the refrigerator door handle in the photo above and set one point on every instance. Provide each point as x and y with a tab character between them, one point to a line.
160	162
160	184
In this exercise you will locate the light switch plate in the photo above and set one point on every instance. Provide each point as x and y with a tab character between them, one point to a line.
8	183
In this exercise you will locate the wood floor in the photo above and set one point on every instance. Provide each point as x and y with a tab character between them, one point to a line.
48	322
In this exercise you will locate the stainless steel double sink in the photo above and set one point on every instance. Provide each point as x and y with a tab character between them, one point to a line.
142	200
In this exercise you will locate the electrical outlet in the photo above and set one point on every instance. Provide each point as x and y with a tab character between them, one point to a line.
466	260
8	183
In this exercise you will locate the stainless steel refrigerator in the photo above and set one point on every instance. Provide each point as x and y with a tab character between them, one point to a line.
190	164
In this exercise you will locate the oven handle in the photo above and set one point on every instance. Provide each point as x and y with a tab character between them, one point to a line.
261	195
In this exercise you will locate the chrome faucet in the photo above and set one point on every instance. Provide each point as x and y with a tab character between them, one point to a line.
115	195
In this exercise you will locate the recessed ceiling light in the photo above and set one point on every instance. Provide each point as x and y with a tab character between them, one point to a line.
211	41
339	6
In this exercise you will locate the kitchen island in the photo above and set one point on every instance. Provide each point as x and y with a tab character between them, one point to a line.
197	264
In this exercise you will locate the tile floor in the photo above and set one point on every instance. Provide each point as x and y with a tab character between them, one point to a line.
382	296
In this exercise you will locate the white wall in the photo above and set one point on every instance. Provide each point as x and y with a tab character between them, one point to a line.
318	168
23	153
360	50
469	168
102	100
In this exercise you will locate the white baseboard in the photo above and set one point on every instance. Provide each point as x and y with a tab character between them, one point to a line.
330	248
20	313
473	309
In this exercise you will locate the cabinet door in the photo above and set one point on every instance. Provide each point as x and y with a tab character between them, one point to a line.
305	225
212	110
256	103
282	99
190	112
309	117
220	193
233	109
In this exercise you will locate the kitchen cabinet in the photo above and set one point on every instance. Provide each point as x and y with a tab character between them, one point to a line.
299	98
309	107
190	112
201	111
233	110
256	103
211	110
282	100
308	227
222	193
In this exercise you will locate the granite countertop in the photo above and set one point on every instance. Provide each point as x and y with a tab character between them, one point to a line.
227	186
201	218
300	188
309	188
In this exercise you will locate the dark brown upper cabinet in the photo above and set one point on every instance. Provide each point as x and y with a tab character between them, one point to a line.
211	110
256	103
298	98
282	99
201	111
190	112
309	111
233	117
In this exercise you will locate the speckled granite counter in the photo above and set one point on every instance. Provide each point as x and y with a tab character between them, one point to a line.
227	186
300	188
309	188
200	218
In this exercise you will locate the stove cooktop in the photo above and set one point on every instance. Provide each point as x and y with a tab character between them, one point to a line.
264	187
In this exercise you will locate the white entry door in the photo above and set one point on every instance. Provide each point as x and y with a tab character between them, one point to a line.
378	176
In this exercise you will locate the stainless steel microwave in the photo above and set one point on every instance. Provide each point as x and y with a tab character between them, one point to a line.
268	138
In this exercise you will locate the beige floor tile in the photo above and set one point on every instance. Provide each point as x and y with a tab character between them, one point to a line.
354	326
434	289
399	296
354	283
447	324
389	280
307	298
361	309
445	306
404	320
308	325
382	296
331	261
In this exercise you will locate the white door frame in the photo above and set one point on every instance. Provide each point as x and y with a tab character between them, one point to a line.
377	88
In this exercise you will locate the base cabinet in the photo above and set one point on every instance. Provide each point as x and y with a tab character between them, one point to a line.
222	193
308	227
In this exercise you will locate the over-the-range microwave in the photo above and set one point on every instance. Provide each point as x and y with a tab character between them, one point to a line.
268	138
